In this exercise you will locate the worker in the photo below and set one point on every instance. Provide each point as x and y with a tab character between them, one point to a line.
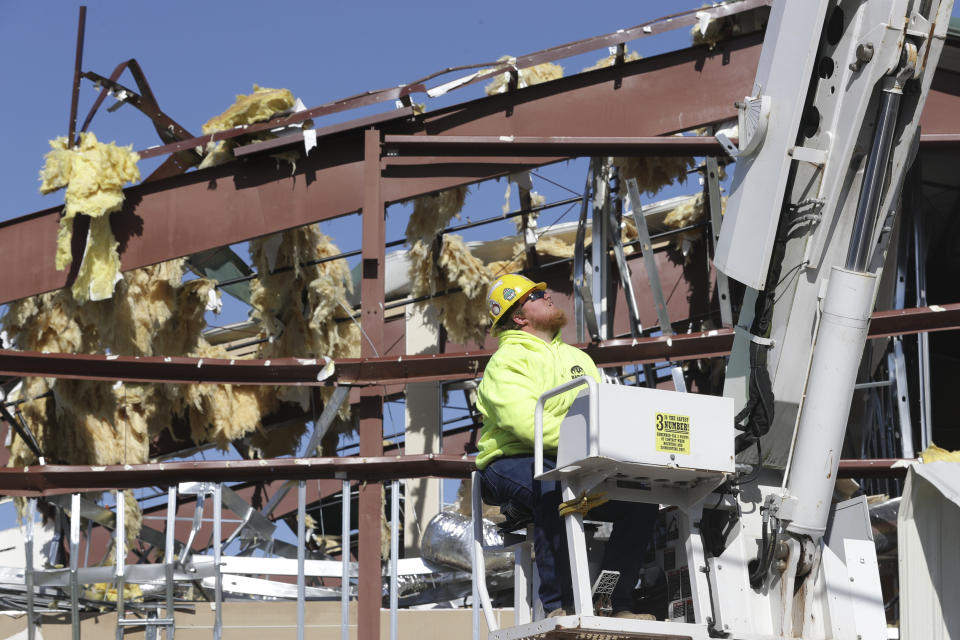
531	359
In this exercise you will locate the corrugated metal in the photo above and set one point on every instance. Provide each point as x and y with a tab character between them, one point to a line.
929	555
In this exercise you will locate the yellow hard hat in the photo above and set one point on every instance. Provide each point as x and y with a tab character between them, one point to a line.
505	292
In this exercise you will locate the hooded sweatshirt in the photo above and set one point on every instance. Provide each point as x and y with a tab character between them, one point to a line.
523	367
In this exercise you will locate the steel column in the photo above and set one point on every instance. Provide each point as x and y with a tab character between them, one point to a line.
371	402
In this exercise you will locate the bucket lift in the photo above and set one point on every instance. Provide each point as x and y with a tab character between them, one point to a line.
827	136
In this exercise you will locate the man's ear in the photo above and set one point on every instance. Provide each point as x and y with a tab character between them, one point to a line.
520	320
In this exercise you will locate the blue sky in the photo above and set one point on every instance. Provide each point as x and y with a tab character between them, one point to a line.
198	55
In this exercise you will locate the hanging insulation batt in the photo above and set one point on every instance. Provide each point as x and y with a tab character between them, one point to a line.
463	314
654	173
94	174
438	263
317	327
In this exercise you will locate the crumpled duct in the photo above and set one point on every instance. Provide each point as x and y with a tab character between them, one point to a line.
94	174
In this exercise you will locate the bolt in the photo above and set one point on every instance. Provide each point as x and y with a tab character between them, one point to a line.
864	55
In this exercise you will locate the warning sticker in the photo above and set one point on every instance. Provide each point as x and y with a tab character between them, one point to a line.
673	433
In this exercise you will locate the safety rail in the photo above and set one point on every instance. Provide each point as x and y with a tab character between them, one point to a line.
538	417
195	478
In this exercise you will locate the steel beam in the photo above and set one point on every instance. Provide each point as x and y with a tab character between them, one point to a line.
415	368
549	146
231	203
53	479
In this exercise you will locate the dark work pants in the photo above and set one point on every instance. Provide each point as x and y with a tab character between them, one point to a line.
511	478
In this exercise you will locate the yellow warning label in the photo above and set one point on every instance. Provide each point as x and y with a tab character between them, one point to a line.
673	433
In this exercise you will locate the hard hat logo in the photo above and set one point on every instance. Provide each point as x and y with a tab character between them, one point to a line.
494	308
509	294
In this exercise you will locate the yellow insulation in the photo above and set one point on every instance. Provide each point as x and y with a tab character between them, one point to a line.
610	60
526	78
463	314
94	174
259	106
653	173
933	453
431	213
303	308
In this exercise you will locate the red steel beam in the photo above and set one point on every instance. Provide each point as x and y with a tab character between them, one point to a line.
415	368
551	146
54	479
57	479
186	214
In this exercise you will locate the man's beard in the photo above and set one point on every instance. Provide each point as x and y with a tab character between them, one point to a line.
553	324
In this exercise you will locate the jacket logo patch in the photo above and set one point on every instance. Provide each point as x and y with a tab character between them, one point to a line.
576	371
509	294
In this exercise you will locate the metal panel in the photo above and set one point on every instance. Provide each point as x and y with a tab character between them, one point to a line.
760	180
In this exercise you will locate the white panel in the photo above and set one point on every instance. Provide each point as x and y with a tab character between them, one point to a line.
628	431
929	557
759	183
866	598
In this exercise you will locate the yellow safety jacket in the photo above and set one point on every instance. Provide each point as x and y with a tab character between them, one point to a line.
523	367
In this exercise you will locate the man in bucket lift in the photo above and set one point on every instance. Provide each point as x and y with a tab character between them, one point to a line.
531	359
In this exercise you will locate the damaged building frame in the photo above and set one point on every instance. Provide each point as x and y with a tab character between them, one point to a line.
637	279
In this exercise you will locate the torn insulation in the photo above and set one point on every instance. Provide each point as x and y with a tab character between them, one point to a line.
442	262
319	326
94	174
611	60
259	106
525	77
654	173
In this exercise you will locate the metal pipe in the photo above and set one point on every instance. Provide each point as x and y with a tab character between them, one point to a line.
301	554
169	556
345	557
394	553
28	565
838	347
871	190
74	552
481	596
217	573
923	339
119	535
